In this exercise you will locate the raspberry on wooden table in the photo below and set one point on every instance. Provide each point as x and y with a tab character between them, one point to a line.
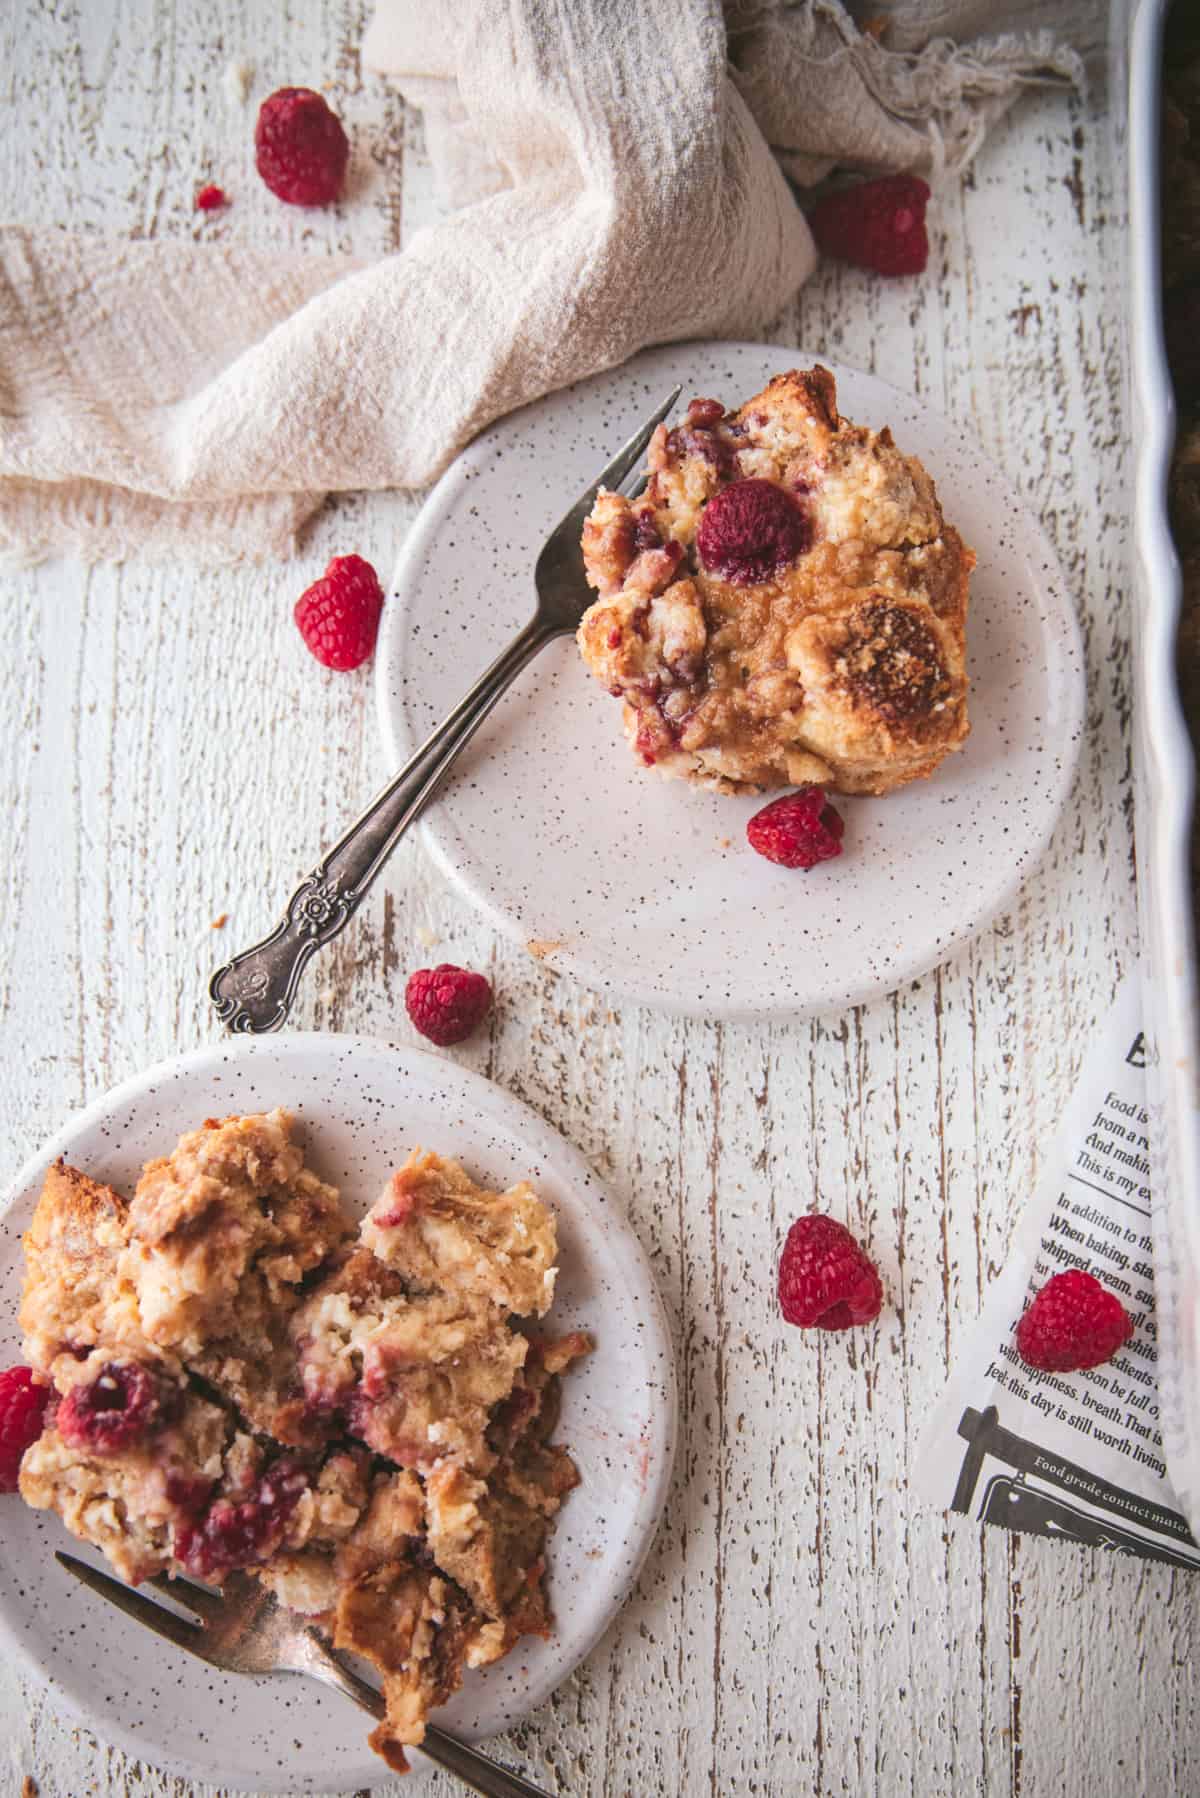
797	831
22	1408
300	148
338	616
447	1003
1073	1322
826	1281
878	225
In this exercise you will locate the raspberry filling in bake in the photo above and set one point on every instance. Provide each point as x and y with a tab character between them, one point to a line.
243	1531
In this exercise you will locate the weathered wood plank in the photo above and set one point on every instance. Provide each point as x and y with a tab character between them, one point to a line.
171	755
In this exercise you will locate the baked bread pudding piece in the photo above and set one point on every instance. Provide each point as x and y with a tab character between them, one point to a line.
239	1384
784	604
438	1225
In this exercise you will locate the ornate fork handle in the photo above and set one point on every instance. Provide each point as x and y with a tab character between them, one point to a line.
254	991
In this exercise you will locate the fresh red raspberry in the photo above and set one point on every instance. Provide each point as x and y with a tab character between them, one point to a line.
338	616
797	831
122	1405
1072	1323
447	1003
210	198
825	1279
300	149
22	1408
878	225
750	530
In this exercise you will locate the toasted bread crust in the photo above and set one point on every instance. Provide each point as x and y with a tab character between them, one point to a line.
72	1249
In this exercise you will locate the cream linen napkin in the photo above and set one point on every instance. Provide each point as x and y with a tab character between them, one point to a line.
617	169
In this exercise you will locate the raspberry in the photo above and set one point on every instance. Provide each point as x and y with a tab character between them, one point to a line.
825	1279
22	1407
209	198
300	149
338	616
242	1532
878	225
1072	1323
705	412
124	1403
447	1003
750	530
797	831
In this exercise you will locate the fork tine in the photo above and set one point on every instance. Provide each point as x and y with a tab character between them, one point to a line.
162	1622
625	459
197	1598
560	564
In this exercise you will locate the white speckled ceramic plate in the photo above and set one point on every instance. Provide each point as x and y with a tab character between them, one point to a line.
364	1105
647	886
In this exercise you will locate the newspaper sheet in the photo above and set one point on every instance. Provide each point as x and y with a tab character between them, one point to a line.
1078	1455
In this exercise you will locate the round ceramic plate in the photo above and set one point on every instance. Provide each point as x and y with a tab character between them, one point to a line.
647	887
364	1104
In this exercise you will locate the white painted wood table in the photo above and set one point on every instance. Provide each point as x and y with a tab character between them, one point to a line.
171	754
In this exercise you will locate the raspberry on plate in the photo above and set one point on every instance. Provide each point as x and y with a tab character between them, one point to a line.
878	225
826	1280
300	148
22	1407
797	831
1073	1322
338	616
447	1003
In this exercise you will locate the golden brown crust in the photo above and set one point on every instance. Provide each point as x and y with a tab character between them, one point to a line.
72	1250
223	1231
836	654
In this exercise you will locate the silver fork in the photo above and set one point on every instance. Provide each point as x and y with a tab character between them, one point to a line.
244	1630
254	991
